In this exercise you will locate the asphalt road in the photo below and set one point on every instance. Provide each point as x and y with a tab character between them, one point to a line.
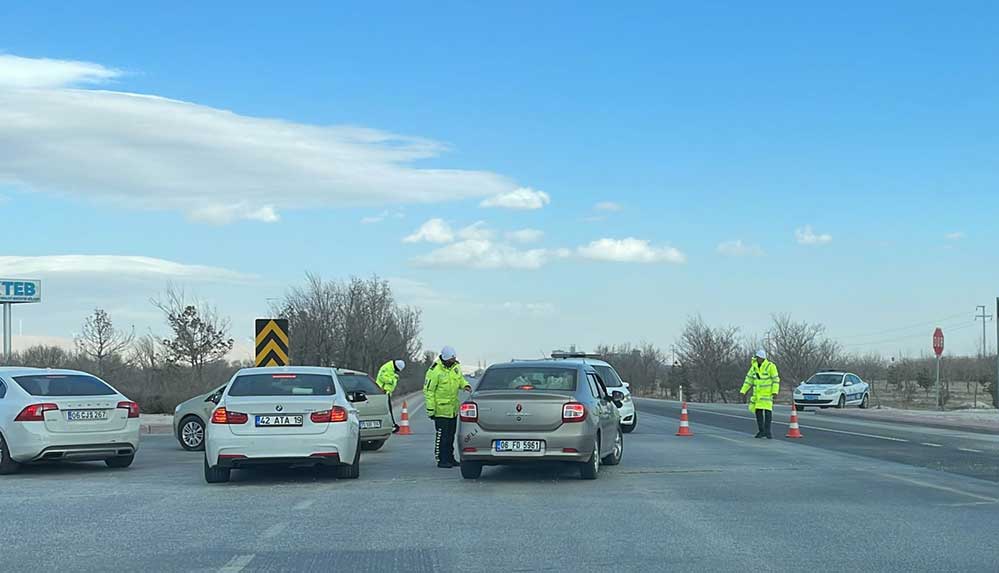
717	501
973	454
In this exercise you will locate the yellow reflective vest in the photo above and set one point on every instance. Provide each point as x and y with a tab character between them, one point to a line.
441	390
765	382
387	377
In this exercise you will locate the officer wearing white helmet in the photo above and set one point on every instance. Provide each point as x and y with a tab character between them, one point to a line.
387	380
443	384
765	382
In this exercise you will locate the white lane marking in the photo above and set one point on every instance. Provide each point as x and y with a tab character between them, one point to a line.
889	438
972	450
932	445
274	530
728	439
237	563
303	505
968	504
941	488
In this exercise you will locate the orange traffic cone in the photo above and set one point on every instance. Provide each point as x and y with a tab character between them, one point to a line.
404	421
793	431
684	422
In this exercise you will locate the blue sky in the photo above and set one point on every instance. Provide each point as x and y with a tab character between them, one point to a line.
726	135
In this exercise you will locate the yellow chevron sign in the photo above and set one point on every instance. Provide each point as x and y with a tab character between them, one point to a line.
272	342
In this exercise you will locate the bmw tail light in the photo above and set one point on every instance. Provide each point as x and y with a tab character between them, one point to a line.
223	416
336	414
573	412
35	412
469	412
132	407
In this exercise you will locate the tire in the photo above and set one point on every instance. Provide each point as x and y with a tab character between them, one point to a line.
614	458
590	468
631	428
7	464
842	401
120	461
216	474
800	408
353	471
864	404
372	445
191	434
471	470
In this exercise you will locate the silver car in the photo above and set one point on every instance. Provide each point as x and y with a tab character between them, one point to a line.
545	410
190	417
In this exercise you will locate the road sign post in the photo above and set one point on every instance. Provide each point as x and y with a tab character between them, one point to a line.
938	348
271	342
16	291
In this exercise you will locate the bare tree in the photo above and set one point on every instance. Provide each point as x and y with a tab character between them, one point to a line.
711	358
101	342
799	349
200	335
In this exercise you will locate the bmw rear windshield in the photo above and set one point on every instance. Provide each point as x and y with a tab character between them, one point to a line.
283	384
529	378
63	385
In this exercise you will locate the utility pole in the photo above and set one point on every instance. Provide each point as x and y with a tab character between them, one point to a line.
995	385
984	317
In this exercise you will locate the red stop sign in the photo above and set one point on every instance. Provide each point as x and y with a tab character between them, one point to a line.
938	341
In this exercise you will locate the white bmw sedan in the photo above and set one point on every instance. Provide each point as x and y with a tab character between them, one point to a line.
64	415
296	415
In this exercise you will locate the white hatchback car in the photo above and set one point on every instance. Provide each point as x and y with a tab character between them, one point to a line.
613	382
64	415
296	415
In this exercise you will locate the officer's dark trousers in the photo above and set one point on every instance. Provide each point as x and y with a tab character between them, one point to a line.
763	419
391	413
444	442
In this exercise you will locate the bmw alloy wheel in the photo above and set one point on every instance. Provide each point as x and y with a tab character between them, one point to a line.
192	434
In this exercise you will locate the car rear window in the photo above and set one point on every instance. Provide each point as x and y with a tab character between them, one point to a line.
358	383
283	384
609	376
63	385
529	378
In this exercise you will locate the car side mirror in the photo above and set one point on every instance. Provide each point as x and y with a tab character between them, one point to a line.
214	398
357	397
626	385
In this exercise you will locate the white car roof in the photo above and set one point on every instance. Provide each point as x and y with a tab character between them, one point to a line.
287	370
25	370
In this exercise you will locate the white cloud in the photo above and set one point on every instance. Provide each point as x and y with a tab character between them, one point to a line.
630	250
476	231
524	198
739	249
529	308
223	214
607	207
141	151
806	236
433	231
956	236
372	219
111	266
484	254
18	72
525	236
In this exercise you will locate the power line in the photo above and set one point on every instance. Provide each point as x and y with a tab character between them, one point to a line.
958	327
936	322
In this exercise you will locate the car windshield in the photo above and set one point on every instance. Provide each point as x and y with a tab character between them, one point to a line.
529	378
609	376
825	379
358	383
283	384
64	385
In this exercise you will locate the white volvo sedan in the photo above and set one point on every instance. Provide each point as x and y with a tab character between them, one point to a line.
296	415
64	415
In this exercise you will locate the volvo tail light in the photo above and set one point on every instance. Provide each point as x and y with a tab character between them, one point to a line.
35	412
132	407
